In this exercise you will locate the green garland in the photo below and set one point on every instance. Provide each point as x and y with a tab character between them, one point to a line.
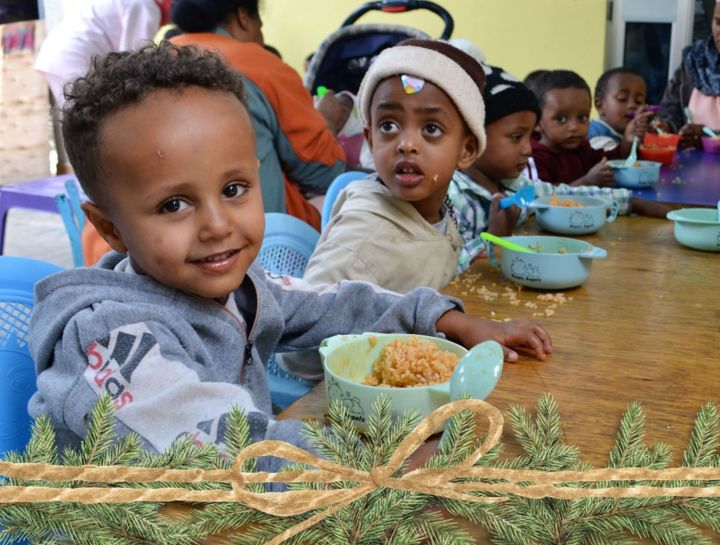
386	516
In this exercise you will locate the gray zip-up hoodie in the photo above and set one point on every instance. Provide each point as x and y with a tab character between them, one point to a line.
175	364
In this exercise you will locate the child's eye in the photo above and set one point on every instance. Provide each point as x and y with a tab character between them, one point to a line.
387	126
433	129
174	205
584	118
515	138
561	119
234	189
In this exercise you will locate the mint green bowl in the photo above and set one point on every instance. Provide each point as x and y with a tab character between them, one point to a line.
640	174
348	359
556	263
697	228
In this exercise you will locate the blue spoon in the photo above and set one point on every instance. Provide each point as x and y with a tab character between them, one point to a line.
524	196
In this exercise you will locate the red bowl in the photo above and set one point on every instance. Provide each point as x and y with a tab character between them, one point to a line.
711	145
664	155
661	140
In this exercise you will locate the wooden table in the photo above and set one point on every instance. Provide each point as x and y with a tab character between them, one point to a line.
645	326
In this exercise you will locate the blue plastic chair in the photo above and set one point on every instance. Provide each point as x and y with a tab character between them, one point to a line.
68	204
287	245
337	185
18	276
286	249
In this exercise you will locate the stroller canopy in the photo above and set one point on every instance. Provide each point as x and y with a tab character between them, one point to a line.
343	57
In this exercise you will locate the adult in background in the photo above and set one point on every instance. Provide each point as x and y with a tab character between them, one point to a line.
695	86
100	27
296	145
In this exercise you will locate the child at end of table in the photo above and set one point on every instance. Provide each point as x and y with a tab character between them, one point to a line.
563	154
620	95
176	324
511	113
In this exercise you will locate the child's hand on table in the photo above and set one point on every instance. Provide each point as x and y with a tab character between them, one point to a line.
600	175
502	221
471	330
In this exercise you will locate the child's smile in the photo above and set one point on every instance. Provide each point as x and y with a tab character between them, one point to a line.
417	141
190	211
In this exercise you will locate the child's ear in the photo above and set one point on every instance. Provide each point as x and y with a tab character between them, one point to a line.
469	151
104	226
368	136
598	104
243	18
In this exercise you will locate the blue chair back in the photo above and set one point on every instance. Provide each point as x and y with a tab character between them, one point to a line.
18	276
337	185
68	204
287	245
286	249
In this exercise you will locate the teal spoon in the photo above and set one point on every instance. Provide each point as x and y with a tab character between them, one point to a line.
709	132
633	153
505	243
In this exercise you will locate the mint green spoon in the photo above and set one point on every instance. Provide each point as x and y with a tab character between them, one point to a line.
709	132
505	243
633	153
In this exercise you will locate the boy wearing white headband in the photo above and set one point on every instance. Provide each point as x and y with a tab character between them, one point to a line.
422	106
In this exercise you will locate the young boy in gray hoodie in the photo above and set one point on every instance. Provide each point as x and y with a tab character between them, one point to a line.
176	324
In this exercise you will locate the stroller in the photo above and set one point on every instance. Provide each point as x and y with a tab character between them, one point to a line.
343	58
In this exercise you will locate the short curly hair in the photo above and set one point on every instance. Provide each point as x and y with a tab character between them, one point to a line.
541	82
121	79
601	87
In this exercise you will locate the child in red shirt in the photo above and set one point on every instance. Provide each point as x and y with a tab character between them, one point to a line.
563	154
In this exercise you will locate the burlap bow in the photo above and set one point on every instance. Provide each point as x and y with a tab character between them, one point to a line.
433	481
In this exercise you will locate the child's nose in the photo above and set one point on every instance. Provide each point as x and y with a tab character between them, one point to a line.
215	222
526	148
407	143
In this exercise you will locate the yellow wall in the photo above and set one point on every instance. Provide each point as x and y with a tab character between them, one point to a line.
519	35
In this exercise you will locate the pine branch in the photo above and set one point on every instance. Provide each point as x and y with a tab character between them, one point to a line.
703	439
100	433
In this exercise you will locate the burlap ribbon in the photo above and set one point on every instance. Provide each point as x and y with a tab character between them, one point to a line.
433	481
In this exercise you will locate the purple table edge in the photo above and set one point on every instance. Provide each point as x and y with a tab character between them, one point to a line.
693	178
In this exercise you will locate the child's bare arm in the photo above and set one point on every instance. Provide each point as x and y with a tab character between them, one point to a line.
471	330
649	208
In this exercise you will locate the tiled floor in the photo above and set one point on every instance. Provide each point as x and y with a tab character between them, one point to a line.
40	235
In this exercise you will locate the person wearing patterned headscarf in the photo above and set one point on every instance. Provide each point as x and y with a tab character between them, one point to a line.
692	97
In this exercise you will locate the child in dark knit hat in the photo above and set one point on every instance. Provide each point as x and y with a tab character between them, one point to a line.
421	103
511	113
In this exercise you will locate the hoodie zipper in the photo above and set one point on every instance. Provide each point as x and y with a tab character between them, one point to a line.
248	359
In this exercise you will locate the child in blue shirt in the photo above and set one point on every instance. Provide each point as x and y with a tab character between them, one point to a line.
620	96
176	324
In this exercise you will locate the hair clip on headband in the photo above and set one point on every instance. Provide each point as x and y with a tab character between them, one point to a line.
412	84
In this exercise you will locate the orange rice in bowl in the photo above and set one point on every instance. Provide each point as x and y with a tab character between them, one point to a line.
412	362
